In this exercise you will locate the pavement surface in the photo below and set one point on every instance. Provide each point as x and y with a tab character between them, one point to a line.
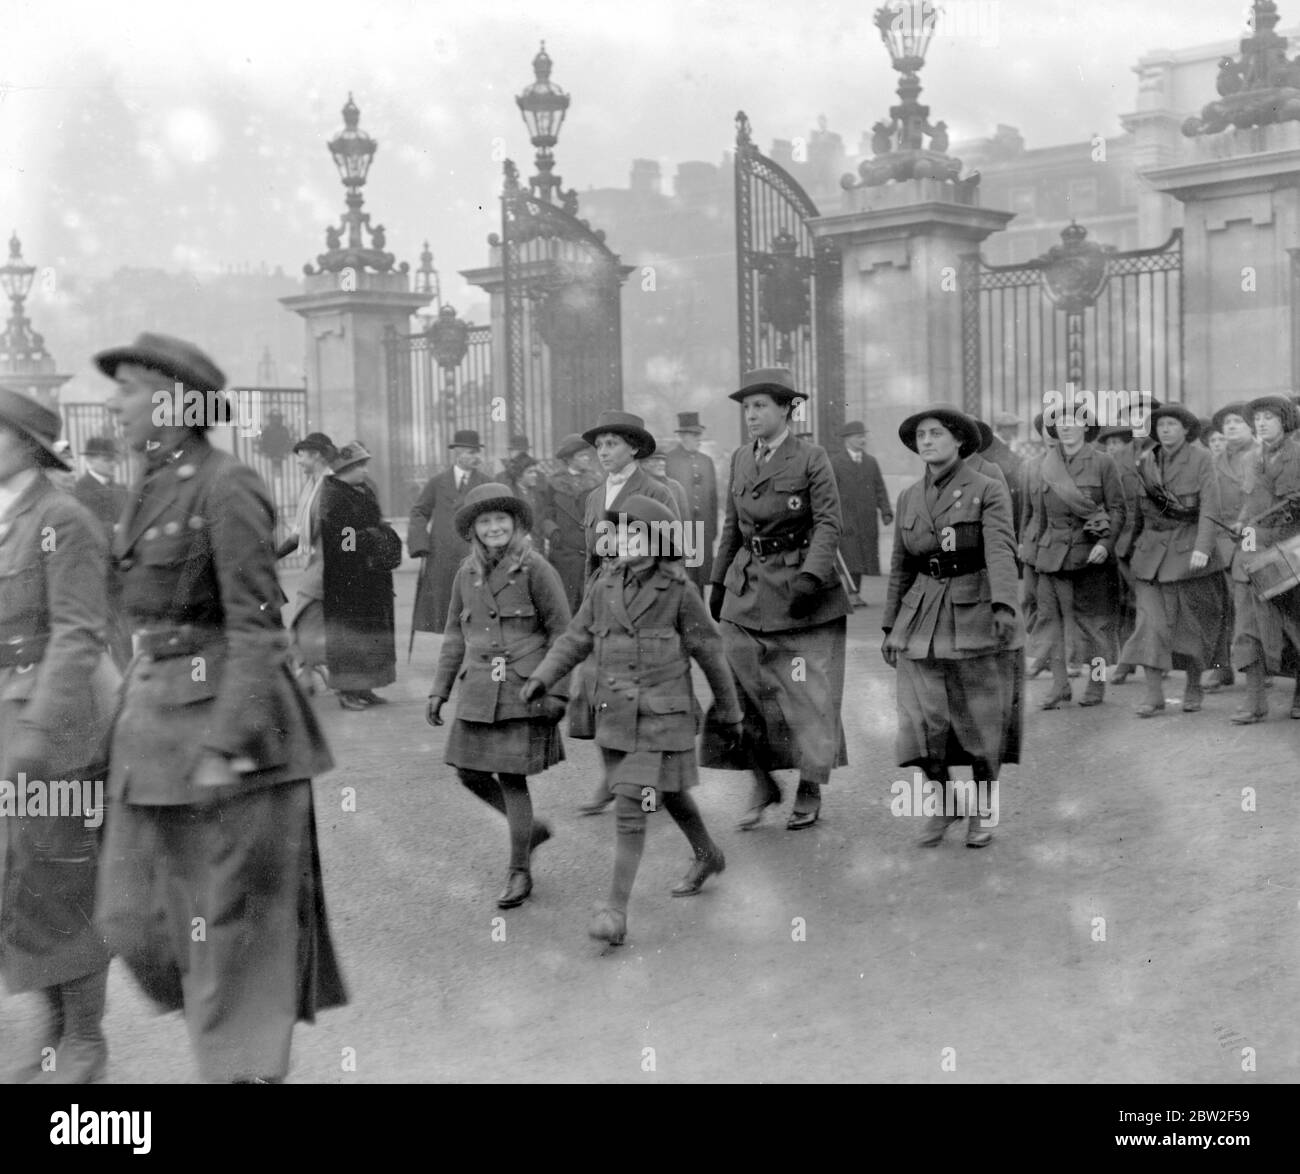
1135	918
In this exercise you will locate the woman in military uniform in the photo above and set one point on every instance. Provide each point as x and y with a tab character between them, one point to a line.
56	697
952	628
781	601
1181	598
1266	633
507	609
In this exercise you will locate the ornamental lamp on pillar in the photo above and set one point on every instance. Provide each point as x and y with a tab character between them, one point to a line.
427	280
25	365
543	106
448	339
17	278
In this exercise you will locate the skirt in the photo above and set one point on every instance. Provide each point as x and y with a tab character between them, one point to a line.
791	685
1179	623
961	712
1267	630
635	773
308	631
518	747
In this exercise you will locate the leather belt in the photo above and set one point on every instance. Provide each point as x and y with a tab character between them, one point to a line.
762	547
648	677
512	652
947	564
23	650
173	640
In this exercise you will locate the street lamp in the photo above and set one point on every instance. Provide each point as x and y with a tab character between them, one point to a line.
19	343
543	105
906	28
15	276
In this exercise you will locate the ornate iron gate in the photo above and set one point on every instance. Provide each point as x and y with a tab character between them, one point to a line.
282	422
563	326
789	284
439	381
1082	313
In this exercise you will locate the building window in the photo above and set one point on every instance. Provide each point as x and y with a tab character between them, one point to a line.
1083	197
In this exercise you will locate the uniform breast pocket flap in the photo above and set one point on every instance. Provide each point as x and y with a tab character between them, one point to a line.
659	703
178	687
512	611
794	491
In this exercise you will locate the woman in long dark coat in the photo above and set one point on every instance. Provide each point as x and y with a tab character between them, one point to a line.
863	500
359	630
779	598
952	627
507	609
1178	575
53	725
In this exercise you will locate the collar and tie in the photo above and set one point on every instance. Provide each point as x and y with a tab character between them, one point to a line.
857	457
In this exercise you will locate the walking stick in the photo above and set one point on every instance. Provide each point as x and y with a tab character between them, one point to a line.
419	580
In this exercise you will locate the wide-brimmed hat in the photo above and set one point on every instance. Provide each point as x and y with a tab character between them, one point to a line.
570	445
1184	416
962	426
689	422
625	424
1104	434
986	434
778	382
182	360
1281	406
853	428
316	442
1038	425
519	440
490	498
1238	408
1006	420
37	422
465	438
639	508
100	446
349	455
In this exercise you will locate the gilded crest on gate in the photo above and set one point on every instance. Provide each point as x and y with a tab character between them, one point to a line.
1075	271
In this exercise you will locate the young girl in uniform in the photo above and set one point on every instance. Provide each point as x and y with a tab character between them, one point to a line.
645	622
507	607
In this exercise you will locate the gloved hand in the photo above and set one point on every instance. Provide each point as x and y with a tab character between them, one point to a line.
717	593
805	590
551	709
533	687
433	711
1004	624
733	736
890	654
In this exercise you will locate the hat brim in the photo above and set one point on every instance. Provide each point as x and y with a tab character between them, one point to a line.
1281	406
638	438
960	425
46	456
190	377
516	506
1184	416
777	391
1237	409
1107	433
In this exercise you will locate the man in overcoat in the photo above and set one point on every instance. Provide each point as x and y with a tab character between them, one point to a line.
564	525
431	533
55	707
863	500
210	885
695	472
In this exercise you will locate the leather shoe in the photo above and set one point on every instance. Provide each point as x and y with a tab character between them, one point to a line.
518	885
698	873
609	925
976	836
1094	694
370	697
802	819
935	826
1248	717
1035	668
1121	674
1146	709
1057	697
351	701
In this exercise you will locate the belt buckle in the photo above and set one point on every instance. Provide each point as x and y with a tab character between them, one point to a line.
756	546
935	567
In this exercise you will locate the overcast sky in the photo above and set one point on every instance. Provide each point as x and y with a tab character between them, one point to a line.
159	133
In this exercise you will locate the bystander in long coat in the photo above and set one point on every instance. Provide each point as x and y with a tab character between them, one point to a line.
431	535
864	504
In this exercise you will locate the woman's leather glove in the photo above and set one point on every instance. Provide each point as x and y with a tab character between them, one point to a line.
533	687
890	654
1004	624
433	711
805	590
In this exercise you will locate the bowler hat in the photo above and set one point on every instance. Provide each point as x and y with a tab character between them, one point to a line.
1114	430
778	382
853	428
316	442
1184	416
639	508
101	446
182	360
519	440
1237	408
625	424
954	419
689	422
570	445
465	438
37	423
1090	431
490	498
349	455
1280	406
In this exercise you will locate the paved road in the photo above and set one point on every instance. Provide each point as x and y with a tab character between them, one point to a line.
906	953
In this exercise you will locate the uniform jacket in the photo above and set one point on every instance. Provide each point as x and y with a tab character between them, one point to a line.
682	502
196	547
952	619
104	501
1275	475
793	495
640	482
432	531
564	528
498	632
644	635
1027	548
696	473
1060	541
863	500
1131	487
53	583
1163	548
1000	455
1235	469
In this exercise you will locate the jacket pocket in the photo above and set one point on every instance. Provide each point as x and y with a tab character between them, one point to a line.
971	597
657	703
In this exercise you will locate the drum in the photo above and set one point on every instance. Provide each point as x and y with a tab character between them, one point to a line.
1276	569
